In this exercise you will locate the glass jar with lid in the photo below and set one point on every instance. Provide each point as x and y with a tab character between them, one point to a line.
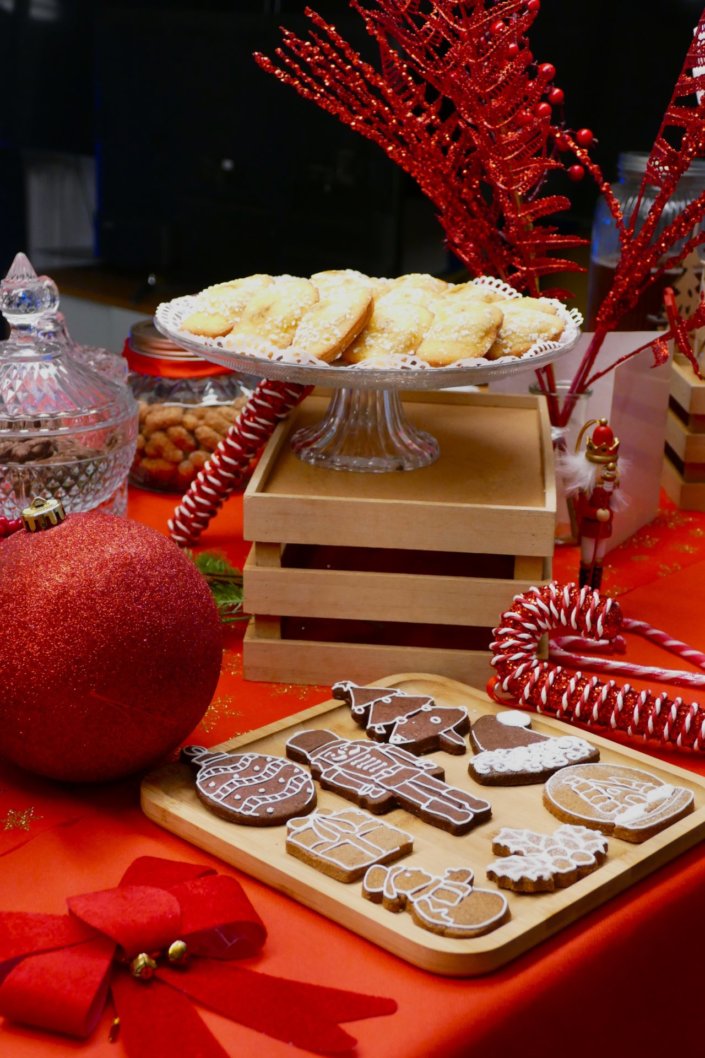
66	431
647	314
186	407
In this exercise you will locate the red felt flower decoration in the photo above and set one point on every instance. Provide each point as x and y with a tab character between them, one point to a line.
57	970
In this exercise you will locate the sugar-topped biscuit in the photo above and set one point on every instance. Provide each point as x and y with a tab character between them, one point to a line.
329	326
218	308
396	327
466	333
525	324
275	312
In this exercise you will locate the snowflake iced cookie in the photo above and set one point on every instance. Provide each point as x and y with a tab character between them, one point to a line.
251	788
540	863
380	778
626	802
447	904
343	845
412	722
509	753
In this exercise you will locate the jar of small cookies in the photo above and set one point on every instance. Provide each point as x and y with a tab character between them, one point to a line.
186	407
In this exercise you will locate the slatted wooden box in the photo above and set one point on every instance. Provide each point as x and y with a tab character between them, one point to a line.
354	574
684	463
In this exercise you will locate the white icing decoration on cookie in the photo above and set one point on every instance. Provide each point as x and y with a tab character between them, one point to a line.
536	757
514	718
532	857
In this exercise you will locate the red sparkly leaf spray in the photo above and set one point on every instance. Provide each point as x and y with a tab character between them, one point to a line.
460	103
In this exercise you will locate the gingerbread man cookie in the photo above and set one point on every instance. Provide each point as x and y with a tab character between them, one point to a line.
251	788
629	803
540	863
380	778
412	722
447	904
344	844
509	753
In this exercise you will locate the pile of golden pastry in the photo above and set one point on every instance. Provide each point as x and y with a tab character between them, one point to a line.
347	317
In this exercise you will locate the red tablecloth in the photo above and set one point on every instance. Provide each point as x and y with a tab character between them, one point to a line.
624	979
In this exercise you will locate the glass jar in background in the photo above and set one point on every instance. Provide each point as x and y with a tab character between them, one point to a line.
66	431
647	314
186	407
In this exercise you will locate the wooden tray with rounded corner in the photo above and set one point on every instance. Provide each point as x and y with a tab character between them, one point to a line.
169	798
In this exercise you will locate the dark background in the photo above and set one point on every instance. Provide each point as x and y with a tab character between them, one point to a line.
208	168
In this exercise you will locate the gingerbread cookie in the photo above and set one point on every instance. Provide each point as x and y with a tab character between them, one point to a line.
541	863
629	803
509	753
447	904
251	788
344	844
381	778
412	722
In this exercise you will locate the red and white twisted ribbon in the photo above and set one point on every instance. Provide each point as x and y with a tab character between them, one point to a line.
230	466
532	683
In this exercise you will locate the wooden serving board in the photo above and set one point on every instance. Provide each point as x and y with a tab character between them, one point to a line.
169	798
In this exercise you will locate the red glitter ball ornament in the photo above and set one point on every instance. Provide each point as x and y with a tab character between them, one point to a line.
110	648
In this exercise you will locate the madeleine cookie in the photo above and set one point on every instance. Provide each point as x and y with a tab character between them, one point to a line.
251	788
509	753
207	324
447	904
417	288
275	312
329	326
540	863
468	333
629	803
343	845
220	307
396	327
524	325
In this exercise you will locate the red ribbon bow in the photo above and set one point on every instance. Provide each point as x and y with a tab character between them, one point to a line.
56	970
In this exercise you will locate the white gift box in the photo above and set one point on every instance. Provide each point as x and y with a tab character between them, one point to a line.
634	399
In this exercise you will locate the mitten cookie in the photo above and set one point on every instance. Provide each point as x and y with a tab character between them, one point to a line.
509	753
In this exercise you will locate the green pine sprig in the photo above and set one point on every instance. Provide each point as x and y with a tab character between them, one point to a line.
224	581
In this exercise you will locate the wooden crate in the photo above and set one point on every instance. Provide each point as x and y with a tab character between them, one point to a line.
351	575
684	464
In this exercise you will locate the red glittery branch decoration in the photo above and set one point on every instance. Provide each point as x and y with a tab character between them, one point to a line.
230	466
648	251
461	105
530	683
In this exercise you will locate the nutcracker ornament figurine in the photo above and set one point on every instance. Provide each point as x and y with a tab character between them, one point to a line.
592	480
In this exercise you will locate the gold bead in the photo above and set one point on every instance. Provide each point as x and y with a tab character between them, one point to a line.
177	952
143	966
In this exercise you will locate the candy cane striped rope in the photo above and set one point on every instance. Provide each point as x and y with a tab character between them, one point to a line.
532	683
230	466
565	649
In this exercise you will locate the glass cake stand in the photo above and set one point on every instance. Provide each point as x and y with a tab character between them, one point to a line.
365	427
